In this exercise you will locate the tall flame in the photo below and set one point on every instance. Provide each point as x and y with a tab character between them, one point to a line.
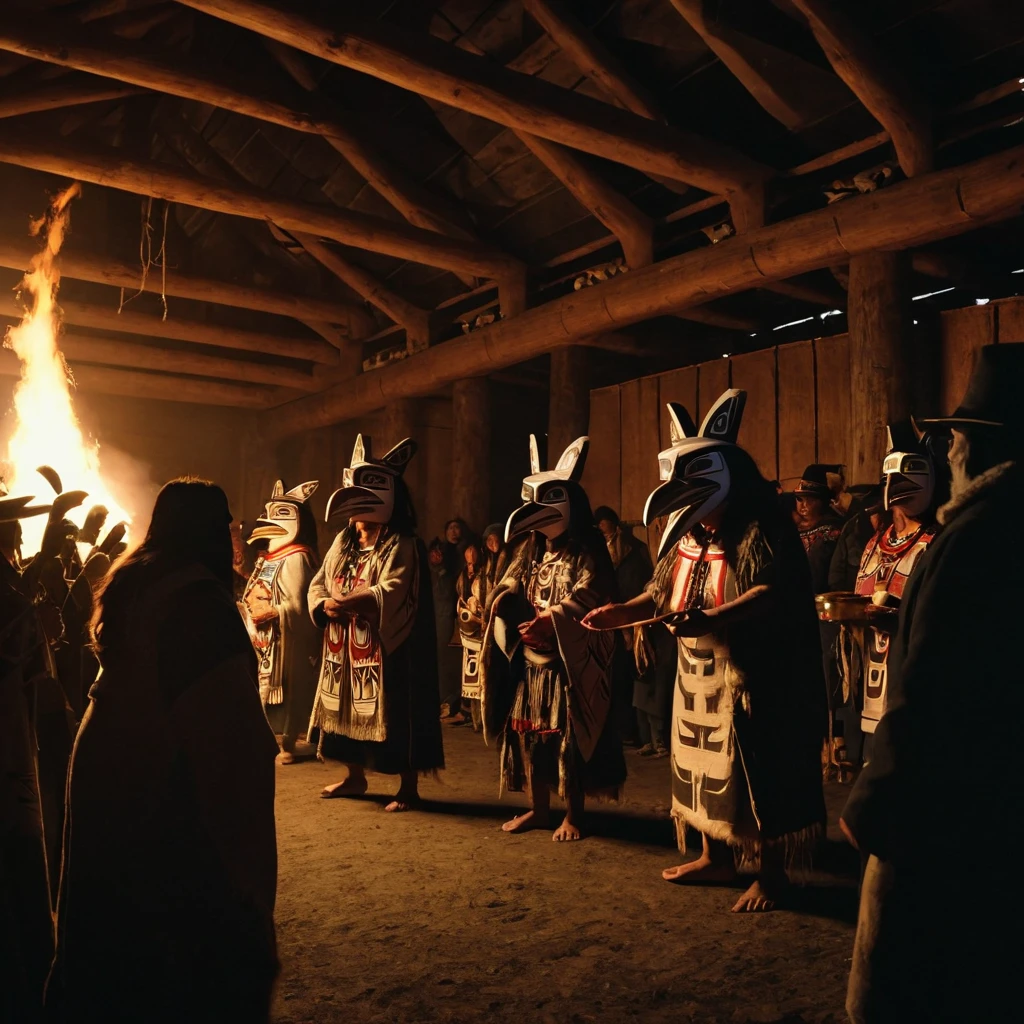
47	431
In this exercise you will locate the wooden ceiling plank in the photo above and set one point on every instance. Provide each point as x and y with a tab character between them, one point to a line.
876	81
449	75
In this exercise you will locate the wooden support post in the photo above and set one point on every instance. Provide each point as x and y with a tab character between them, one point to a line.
880	364
569	398
471	444
403	419
447	74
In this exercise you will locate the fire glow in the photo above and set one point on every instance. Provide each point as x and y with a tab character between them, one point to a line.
46	430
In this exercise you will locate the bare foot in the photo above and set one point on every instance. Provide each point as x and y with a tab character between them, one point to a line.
405	800
703	869
525	822
761	896
567	832
348	787
286	757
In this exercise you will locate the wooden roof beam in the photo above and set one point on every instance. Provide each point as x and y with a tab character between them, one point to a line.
74	46
107	380
876	81
67	91
105	270
447	74
631	226
198	332
590	55
149	178
911	213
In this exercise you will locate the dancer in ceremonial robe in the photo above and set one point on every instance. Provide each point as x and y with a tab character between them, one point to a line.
749	711
547	680
275	610
376	703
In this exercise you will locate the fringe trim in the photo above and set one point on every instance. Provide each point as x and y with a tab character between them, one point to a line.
798	847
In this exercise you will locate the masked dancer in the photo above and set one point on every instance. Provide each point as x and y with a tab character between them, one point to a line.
376	703
276	614
749	711
547	680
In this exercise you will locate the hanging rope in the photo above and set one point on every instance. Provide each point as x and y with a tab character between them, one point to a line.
146	259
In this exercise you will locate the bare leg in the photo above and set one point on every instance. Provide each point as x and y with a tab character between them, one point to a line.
540	804
715	864
569	830
408	795
354	784
770	884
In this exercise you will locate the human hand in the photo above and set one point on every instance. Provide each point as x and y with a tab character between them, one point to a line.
608	616
334	609
265	617
692	623
538	631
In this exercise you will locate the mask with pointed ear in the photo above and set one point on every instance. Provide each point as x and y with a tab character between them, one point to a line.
694	469
546	496
908	469
367	493
282	519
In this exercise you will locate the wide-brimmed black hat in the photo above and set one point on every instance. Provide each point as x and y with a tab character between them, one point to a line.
994	395
814	483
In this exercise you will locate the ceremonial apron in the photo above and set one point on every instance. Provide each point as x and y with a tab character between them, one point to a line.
470	624
885	567
710	791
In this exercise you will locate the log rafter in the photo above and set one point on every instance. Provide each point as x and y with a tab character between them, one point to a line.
449	75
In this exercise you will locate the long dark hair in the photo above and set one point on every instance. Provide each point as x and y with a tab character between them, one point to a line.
189	526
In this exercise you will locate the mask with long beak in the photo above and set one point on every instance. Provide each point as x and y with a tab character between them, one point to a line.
367	492
281	522
546	495
695	468
908	470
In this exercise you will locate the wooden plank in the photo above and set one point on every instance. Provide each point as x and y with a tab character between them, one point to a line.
832	358
676	386
601	478
963	332
796	409
712	380
636	456
1009	320
755	373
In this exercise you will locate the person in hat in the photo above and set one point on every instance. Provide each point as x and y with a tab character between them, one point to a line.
867	518
930	941
817	522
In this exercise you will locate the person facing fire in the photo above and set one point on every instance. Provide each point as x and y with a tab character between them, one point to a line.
377	699
911	490
274	607
749	710
547	680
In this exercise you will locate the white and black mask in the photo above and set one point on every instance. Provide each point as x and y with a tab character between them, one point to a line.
282	517
546	495
695	469
908	470
367	492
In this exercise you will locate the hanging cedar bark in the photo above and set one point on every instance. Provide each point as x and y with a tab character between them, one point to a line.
104	270
914	212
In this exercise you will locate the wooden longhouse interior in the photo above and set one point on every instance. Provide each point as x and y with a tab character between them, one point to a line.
470	221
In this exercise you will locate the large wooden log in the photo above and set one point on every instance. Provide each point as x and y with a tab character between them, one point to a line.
149	178
106	380
129	321
451	76
631	226
875	80
880	363
471	443
911	213
57	42
69	91
104	270
591	57
82	348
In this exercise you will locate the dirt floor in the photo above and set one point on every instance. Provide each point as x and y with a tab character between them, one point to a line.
436	915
